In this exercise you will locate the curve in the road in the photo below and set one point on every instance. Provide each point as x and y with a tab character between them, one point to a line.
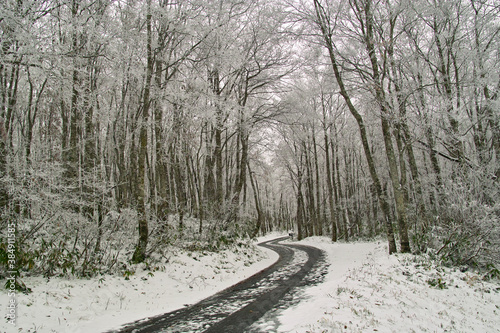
236	308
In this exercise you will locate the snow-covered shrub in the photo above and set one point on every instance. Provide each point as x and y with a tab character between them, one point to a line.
72	226
60	229
467	230
216	235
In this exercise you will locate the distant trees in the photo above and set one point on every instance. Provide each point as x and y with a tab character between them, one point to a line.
413	68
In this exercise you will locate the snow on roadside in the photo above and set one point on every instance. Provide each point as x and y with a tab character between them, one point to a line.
270	236
103	303
367	290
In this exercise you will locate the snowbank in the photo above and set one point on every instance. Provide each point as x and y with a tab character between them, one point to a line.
99	304
367	290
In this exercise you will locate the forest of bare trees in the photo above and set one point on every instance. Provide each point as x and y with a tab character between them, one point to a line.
129	126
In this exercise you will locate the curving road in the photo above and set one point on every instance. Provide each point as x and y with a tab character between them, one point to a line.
249	305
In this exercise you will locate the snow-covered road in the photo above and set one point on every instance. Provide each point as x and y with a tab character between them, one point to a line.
364	290
238	307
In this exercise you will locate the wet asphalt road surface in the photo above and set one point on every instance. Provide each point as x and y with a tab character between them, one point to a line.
250	306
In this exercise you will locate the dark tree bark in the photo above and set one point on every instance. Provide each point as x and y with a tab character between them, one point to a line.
329	181
319	222
322	20
141	199
255	189
364	9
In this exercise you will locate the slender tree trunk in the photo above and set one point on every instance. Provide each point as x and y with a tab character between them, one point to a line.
300	198
323	24
217	132
179	189
429	134
11	93
179	180
329	181
311	207
397	188
258	208
341	200
209	179
141	200
72	152
403	137
319	222
454	144
241	176
389	149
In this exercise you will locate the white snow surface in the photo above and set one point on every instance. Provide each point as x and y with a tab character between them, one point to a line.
365	290
103	303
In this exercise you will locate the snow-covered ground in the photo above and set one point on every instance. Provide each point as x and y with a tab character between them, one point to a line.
365	290
103	303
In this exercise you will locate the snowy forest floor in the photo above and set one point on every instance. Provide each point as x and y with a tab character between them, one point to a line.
365	290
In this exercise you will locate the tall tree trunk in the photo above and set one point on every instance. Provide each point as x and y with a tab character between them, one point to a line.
385	116
209	178
176	151
403	136
341	200
32	115
429	134
329	180
319	222
72	152
300	215
242	161
214	178
11	101
217	132
300	207
141	200
322	18
311	206
258	208
454	144
160	172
